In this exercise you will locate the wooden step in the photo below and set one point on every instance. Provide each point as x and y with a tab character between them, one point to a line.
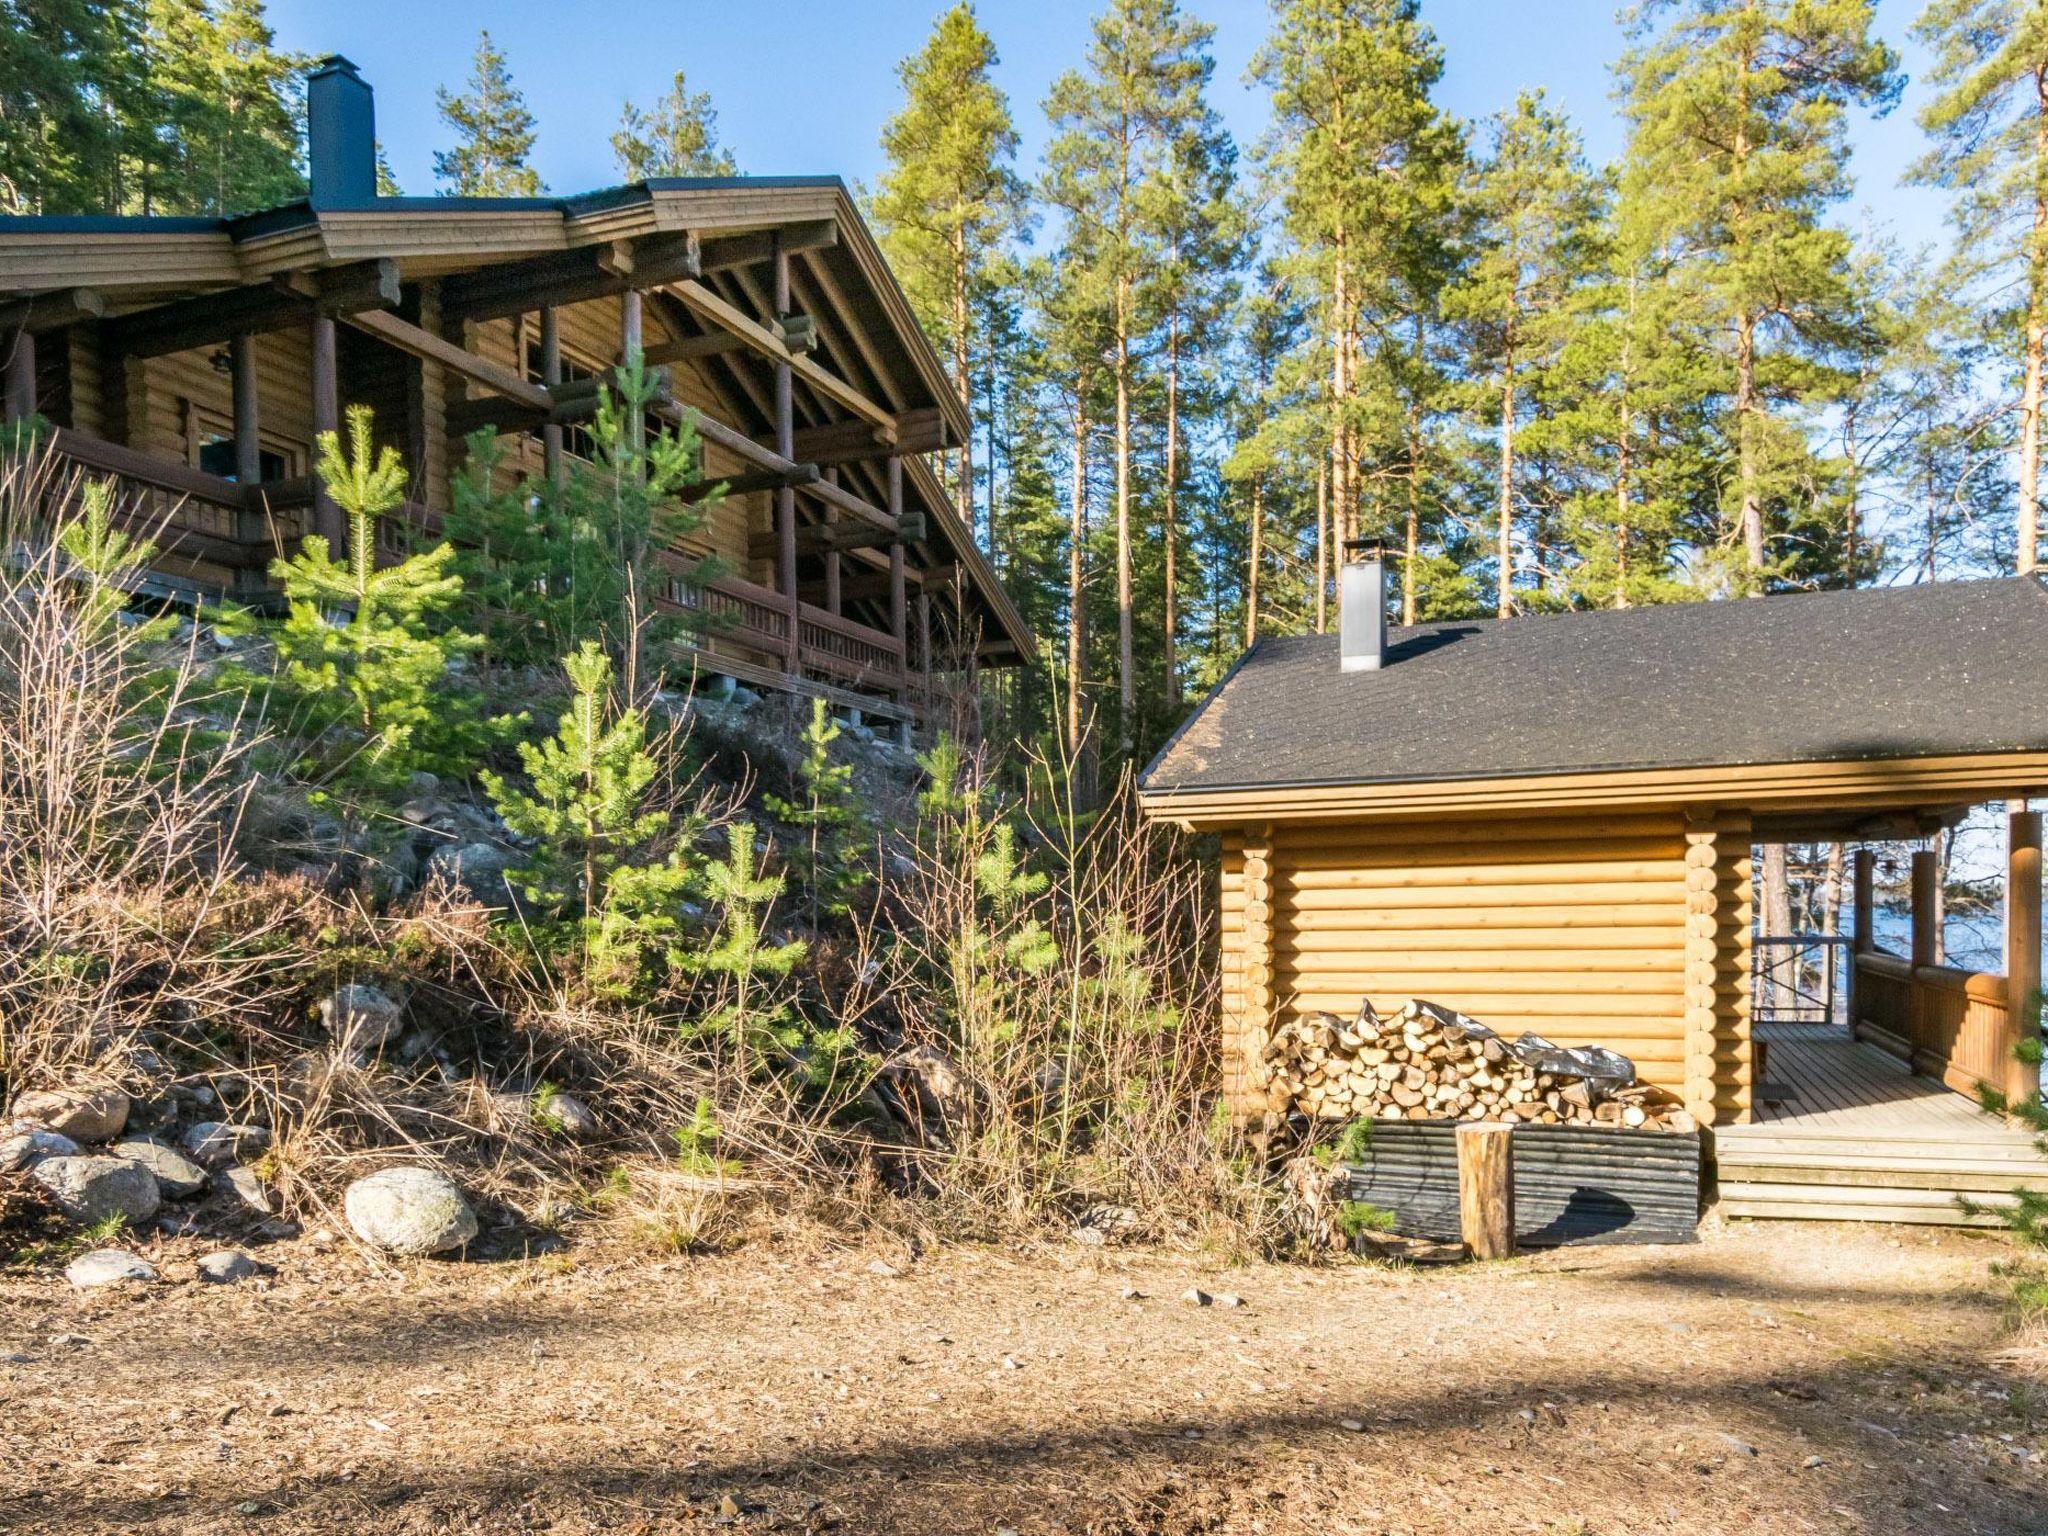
1886	1173
1838	1202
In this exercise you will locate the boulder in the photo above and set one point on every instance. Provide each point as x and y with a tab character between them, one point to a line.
177	1176
931	1082
409	1210
107	1266
228	1267
478	868
83	1114
216	1143
566	1113
361	1016
243	1187
26	1144
89	1189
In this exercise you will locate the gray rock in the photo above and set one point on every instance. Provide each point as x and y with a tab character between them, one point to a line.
421	783
228	1267
88	1114
89	1189
361	1016
107	1266
568	1114
29	1144
409	1210
177	1176
216	1143
478	868
241	1185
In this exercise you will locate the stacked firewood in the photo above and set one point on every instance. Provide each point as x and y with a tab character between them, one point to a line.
1429	1063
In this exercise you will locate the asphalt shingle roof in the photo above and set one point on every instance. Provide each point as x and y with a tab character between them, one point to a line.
1937	669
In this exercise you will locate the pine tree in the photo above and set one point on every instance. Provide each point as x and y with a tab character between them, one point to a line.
602	851
1144	68
550	564
950	198
824	814
494	132
1989	121
1736	152
69	71
1366	164
362	656
745	962
1535	203
1190	207
677	136
234	107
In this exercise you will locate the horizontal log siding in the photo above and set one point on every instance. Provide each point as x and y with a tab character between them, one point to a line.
1572	927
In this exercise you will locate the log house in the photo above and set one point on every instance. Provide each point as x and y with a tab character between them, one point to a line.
195	361
1548	822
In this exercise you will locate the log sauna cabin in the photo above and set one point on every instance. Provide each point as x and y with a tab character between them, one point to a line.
194	361
1549	823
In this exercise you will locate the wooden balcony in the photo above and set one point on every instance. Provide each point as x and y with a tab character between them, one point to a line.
220	537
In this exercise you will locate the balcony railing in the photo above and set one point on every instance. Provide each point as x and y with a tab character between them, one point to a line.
1947	1023
205	518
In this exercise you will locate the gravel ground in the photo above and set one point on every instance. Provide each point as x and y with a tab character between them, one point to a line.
1771	1379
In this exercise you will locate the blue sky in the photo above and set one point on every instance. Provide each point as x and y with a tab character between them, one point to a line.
803	86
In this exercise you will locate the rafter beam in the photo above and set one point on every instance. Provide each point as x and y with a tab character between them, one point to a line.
570	277
713	310
867	586
823	538
755	480
853	442
51	311
273	306
752	250
424	344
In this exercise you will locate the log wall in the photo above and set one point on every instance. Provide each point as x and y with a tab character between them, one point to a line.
1581	928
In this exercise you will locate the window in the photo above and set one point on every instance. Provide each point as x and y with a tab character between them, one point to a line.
217	457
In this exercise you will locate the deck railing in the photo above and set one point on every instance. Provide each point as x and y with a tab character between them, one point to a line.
1801	978
1948	1023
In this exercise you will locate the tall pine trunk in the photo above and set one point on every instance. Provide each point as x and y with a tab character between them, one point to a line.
1322	543
963	487
1413	541
2037	329
1505	605
1079	731
1126	653
1170	525
1253	560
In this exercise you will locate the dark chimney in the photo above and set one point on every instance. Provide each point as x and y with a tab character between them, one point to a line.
1362	607
341	135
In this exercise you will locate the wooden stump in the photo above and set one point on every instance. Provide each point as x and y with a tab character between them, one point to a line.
1486	1189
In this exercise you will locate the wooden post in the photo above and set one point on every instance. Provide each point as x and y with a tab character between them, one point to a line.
1864	878
1486	1189
551	374
924	644
1925	903
326	418
2023	950
248	421
785	444
21	376
832	570
898	610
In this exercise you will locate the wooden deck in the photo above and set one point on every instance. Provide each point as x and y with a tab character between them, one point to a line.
1844	1132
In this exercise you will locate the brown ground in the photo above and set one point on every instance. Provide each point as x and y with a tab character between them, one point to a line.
1772	1379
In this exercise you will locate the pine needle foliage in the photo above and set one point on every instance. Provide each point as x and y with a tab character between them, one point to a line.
826	857
361	680
608	862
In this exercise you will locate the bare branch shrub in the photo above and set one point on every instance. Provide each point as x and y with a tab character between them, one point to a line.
120	786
